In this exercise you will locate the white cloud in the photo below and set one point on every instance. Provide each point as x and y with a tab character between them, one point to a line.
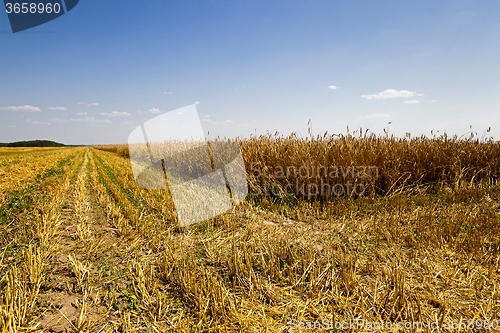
57	108
34	122
433	101
115	114
88	104
168	93
128	122
26	108
333	87
92	120
81	113
375	115
196	103
154	110
412	101
392	93
57	120
208	120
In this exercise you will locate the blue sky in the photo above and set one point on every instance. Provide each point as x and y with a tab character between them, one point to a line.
94	74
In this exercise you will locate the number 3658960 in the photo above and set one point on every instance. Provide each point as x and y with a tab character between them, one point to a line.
32	8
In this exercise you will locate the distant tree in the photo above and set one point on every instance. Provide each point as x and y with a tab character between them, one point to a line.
33	143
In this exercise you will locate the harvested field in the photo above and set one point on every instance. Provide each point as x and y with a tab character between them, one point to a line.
84	249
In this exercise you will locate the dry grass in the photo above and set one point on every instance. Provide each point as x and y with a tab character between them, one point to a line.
24	150
121	150
19	171
423	245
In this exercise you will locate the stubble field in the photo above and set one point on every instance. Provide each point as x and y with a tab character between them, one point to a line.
83	249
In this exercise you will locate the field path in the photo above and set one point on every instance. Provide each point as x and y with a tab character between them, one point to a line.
96	269
76	289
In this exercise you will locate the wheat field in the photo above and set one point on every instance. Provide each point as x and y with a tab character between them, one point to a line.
84	249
